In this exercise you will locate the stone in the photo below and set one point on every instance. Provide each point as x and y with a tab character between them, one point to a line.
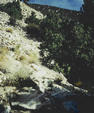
24	82
31	101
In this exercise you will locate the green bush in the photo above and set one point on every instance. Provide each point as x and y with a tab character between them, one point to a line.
67	45
13	9
32	19
33	30
12	21
70	44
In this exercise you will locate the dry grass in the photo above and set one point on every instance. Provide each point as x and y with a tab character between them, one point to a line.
21	75
10	30
16	68
3	52
26	57
32	58
29	58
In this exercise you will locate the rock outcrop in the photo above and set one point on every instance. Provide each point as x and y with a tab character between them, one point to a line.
25	84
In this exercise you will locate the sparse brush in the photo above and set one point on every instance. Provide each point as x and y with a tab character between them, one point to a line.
20	76
15	68
17	50
3	59
17	47
33	58
3	52
30	58
23	73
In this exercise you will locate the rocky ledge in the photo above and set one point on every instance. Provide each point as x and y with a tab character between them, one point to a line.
26	86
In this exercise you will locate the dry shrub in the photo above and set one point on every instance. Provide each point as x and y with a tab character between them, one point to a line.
3	53
9	30
29	58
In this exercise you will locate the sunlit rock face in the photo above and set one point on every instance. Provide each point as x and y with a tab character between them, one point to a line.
24	82
5	1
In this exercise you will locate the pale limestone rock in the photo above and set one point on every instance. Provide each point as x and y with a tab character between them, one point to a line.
43	77
5	1
26	11
28	101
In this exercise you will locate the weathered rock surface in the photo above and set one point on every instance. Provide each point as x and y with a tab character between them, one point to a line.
25	84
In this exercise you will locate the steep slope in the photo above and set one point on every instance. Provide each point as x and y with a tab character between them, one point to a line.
25	84
69	44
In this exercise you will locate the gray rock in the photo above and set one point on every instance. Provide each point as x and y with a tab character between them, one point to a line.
31	101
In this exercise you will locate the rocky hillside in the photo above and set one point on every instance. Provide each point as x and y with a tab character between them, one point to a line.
25	84
68	40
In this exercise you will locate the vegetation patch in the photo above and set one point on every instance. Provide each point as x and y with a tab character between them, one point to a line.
66	41
30	58
13	9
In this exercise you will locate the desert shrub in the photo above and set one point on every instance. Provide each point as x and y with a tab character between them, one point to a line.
23	73
25	57
33	30
32	19
31	58
3	59
18	78
3	52
12	21
13	9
